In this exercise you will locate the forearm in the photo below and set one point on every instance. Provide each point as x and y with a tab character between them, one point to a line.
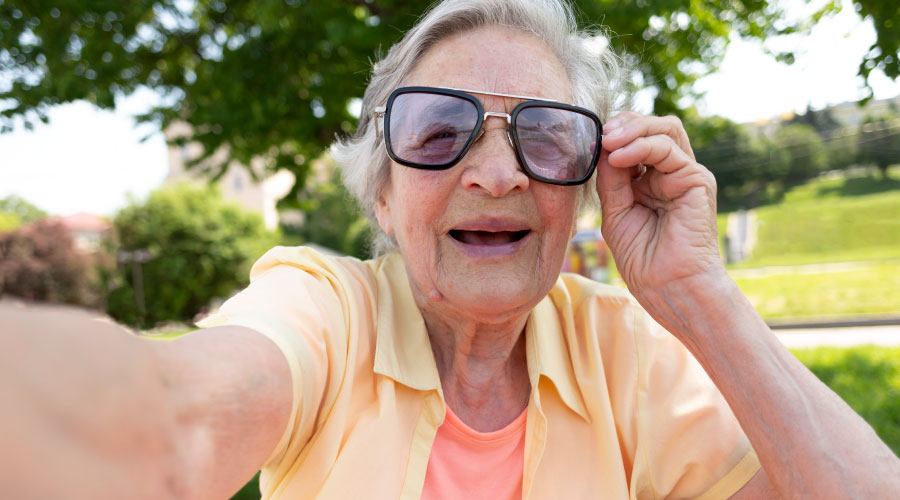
83	410
811	444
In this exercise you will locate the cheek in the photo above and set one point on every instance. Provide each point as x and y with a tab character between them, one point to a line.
560	214
420	203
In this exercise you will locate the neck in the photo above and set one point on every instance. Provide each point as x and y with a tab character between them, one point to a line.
483	368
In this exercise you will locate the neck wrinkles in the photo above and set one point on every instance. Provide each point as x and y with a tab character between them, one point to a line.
482	368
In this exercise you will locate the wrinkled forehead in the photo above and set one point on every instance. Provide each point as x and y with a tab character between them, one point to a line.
494	59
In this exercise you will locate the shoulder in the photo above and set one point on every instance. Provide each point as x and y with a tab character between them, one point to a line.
337	269
283	270
609	317
299	289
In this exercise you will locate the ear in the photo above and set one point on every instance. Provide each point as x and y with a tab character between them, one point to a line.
383	210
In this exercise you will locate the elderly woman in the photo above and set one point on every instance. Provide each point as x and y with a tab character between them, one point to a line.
460	364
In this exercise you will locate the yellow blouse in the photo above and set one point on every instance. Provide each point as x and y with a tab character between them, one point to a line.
618	410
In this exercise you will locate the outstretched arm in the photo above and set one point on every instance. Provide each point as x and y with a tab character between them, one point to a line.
89	411
660	225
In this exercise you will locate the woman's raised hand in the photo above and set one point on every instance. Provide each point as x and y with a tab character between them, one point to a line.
659	220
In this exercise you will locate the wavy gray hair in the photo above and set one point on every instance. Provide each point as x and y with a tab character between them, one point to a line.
598	79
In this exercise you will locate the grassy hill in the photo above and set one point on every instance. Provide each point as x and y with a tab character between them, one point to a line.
836	242
831	220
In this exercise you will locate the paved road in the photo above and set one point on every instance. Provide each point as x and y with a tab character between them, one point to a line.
841	337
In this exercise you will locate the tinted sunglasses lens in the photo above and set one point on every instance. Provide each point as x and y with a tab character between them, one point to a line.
430	129
557	144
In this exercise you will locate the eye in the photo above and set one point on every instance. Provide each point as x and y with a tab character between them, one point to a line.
441	135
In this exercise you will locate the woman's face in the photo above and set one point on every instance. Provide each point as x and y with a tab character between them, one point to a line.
481	237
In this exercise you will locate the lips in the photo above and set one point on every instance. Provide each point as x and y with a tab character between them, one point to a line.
488	238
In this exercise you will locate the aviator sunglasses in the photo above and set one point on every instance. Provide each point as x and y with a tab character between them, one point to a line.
433	127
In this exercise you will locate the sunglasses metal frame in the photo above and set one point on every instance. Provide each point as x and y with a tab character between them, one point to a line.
383	112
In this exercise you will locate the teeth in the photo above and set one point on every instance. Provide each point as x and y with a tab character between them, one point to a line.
488	237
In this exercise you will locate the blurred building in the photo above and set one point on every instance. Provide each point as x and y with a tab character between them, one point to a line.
237	184
88	230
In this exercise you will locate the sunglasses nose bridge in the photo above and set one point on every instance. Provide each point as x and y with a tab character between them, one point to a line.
497	114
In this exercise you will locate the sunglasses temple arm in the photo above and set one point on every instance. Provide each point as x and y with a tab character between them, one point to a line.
379	116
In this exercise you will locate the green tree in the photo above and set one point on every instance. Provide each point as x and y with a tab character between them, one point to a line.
331	217
194	246
838	139
272	79
884	53
18	206
878	142
801	154
732	154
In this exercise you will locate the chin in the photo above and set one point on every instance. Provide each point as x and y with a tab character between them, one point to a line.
498	293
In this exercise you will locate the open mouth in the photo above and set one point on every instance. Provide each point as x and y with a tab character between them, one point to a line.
490	238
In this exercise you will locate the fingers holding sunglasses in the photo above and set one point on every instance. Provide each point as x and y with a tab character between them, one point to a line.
657	150
660	221
628	125
673	172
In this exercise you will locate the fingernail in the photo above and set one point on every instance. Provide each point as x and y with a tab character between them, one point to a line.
612	128
611	132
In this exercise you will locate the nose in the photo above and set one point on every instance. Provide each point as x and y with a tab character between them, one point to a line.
491	165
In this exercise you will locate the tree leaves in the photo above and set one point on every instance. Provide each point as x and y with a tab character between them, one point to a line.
269	81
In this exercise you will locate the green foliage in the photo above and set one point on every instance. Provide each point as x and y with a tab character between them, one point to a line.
884	53
24	211
867	378
878	142
9	222
200	247
737	159
332	218
272	79
250	491
801	153
674	42
839	140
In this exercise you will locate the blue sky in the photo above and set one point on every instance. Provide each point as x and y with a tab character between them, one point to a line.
87	160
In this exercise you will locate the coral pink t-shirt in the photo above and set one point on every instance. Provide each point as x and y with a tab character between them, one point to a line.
468	465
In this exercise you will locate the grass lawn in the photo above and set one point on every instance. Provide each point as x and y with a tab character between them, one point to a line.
850	217
874	289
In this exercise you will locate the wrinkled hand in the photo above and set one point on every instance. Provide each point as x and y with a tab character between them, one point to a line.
660	224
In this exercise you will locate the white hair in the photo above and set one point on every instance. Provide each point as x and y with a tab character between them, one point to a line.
599	82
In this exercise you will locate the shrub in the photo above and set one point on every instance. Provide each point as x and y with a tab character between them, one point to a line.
39	262
199	247
332	218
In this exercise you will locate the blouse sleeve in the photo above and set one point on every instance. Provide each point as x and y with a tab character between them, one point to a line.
690	444
294	300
